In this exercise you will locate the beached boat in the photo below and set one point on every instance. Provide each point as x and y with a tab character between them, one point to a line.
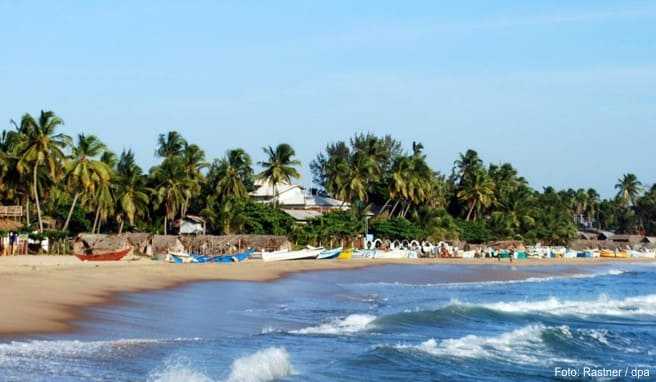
395	254
346	254
584	254
104	255
643	254
236	258
291	255
329	253
618	254
467	254
571	254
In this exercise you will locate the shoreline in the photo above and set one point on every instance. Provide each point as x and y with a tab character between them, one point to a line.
47	294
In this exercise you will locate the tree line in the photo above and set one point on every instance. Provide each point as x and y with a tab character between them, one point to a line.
393	192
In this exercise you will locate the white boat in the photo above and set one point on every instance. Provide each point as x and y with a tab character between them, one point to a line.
291	255
643	254
571	254
467	254
393	254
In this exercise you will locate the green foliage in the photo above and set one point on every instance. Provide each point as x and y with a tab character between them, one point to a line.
397	229
475	231
333	226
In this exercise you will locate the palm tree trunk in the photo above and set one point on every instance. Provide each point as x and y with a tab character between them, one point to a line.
471	209
120	227
96	220
36	197
70	212
385	205
27	210
394	208
164	224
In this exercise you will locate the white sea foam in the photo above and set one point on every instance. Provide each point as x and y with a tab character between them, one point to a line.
178	371
265	365
69	348
611	272
524	345
603	305
351	324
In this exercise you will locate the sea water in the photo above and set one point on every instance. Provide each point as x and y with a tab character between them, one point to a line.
389	323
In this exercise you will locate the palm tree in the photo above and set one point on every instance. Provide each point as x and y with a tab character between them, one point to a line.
193	161
83	171
38	145
234	173
170	144
628	188
171	187
477	192
131	191
279	167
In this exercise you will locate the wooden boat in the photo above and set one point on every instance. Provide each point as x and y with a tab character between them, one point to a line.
393	254
621	254
236	258
329	253
346	254
291	255
104	255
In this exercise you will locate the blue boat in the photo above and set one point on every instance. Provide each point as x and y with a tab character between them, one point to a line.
329	253
237	257
584	254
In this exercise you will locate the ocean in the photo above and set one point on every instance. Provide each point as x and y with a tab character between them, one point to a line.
384	323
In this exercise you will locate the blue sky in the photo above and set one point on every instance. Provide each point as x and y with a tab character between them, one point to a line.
566	91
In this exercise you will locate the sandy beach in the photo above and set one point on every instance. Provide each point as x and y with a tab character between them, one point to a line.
42	294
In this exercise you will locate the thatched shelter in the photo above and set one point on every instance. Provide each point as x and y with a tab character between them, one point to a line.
212	245
507	245
138	240
86	242
162	244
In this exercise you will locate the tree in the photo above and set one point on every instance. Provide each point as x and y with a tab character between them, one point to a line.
38	145
171	187
234	175
477	192
279	167
131	190
628	188
170	144
83	171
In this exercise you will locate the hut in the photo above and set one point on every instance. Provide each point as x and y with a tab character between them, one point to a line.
212	245
627	239
163	244
190	225
86	242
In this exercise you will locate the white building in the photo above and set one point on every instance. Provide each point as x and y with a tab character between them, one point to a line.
297	202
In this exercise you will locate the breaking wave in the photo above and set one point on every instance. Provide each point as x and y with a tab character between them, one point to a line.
264	365
351	324
526	345
603	305
611	272
180	370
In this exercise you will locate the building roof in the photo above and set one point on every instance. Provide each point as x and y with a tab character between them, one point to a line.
294	195
302	215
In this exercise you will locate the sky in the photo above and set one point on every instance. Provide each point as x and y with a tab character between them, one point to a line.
565	91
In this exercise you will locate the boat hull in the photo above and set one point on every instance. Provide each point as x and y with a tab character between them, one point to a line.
291	255
329	254
107	256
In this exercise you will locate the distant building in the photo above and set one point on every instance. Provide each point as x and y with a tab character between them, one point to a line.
296	201
191	225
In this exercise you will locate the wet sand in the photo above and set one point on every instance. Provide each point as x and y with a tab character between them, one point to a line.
45	294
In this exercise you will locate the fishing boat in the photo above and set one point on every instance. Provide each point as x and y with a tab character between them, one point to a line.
520	255
329	253
346	254
584	254
104	255
393	254
291	255
619	254
236	258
